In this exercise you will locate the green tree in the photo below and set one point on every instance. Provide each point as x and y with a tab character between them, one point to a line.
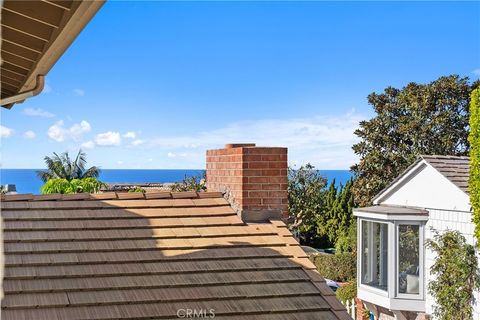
337	212
474	139
306	189
63	167
456	276
64	186
417	119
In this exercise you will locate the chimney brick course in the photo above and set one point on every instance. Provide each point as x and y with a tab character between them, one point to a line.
254	179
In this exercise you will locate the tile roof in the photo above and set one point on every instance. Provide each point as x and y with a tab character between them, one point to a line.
455	169
143	256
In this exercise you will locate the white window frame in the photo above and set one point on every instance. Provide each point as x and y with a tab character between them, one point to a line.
360	258
421	260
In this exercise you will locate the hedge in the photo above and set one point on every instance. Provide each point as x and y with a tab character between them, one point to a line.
474	139
338	267
347	292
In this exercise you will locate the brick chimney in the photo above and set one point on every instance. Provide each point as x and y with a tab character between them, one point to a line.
254	179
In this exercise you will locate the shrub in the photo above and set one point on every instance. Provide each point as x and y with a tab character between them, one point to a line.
193	183
347	292
347	242
338	267
137	189
474	139
456	276
63	186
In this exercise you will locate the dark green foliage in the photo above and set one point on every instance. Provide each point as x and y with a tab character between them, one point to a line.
306	190
347	241
337	212
474	139
456	276
137	189
64	186
347	292
62	167
417	119
338	267
319	214
193	183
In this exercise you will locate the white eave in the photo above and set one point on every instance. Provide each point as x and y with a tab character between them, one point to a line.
392	213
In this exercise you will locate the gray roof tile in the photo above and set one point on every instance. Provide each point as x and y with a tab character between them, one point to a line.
456	169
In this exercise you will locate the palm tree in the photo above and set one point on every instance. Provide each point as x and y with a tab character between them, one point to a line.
61	166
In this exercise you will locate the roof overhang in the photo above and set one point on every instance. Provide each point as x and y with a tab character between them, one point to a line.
392	213
35	34
406	175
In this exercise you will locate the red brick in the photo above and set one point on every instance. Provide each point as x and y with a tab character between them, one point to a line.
252	186
259	165
256	176
250	201
261	179
277	165
276	201
271	186
270	172
258	194
277	194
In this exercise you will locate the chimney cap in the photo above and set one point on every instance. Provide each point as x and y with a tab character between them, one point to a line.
239	145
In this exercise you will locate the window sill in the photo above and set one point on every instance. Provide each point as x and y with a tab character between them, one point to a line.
381	298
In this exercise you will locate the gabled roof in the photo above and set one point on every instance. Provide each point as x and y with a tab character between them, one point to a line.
454	168
130	255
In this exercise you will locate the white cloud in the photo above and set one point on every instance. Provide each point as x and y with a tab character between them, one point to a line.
174	155
109	138
80	128
29	134
5	132
325	142
150	159
59	133
87	145
37	112
137	142
119	162
130	135
79	92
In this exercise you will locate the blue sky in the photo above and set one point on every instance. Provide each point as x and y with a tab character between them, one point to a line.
155	84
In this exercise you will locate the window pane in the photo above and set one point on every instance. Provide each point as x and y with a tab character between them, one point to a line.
374	254
408	259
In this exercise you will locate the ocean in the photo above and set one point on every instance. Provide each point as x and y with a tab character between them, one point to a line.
26	180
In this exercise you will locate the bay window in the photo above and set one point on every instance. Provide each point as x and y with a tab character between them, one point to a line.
374	270
408	259
391	256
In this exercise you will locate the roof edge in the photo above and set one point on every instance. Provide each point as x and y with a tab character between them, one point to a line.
406	175
111	196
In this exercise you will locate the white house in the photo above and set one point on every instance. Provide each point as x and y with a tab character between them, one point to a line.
393	262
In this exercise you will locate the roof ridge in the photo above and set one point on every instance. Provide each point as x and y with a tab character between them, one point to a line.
111	196
444	156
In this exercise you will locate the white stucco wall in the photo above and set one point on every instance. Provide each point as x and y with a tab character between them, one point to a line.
449	208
